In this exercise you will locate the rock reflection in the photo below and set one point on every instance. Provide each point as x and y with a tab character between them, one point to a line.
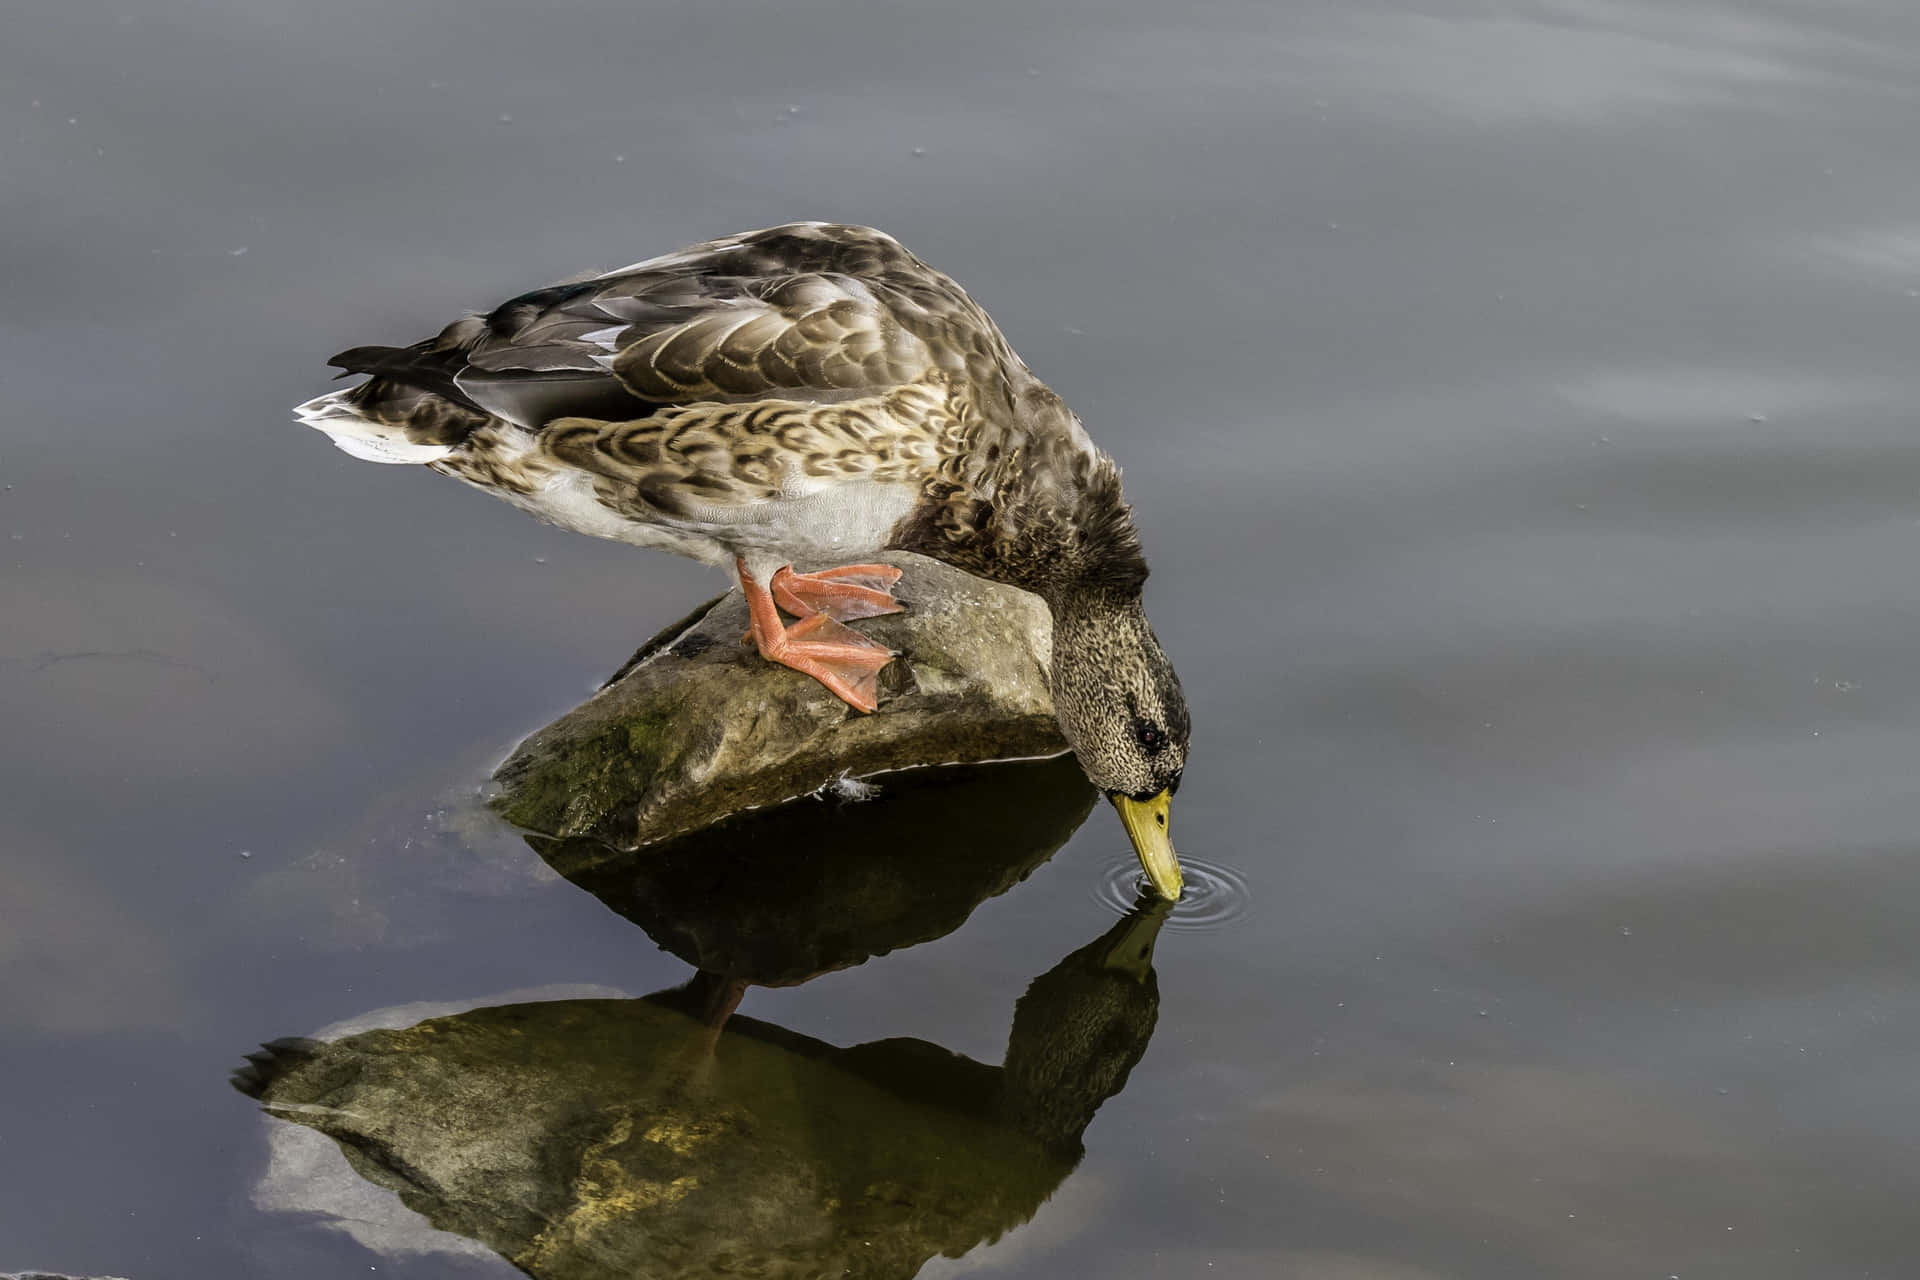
658	1137
774	897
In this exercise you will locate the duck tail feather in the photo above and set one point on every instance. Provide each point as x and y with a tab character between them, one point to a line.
271	1062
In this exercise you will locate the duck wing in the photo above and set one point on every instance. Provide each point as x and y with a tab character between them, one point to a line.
815	311
811	311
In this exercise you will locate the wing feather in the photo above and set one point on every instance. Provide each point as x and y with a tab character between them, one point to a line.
801	308
805	312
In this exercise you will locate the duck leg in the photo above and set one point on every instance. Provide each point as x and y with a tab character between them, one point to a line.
839	657
715	997
843	594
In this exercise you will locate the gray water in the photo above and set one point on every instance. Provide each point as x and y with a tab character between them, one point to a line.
1516	399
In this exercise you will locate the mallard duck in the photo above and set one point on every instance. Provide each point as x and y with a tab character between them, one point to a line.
810	393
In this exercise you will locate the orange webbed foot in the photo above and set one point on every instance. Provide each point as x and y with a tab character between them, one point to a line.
843	594
839	657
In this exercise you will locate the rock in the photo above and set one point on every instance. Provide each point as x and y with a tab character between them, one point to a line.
697	725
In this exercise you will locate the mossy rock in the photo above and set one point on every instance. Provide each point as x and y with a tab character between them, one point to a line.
697	726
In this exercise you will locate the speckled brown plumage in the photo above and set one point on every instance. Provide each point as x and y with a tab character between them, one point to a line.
746	453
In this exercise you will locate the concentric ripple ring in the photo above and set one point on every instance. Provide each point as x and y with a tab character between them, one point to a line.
1215	895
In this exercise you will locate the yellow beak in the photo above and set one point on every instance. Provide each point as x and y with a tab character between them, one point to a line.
1146	823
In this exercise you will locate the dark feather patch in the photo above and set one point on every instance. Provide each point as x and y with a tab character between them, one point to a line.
424	366
1110	553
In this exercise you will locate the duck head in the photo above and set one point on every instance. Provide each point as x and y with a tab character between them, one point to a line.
1121	709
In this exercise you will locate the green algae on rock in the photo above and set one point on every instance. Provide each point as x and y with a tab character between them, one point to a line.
697	726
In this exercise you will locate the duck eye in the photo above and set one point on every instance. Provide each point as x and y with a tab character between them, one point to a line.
1152	738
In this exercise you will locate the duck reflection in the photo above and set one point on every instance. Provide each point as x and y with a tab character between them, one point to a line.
667	1136
600	1138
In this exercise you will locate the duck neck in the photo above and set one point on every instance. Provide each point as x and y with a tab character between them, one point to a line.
1096	640
1084	609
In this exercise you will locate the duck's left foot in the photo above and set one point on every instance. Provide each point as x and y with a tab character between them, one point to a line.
839	657
843	594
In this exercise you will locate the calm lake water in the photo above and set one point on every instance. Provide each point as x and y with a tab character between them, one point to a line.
1517	399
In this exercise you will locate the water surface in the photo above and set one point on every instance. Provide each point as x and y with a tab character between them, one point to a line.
1517	403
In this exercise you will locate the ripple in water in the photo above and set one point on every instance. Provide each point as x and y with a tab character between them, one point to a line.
1215	896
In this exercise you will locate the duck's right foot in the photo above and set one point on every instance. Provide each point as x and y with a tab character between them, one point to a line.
843	594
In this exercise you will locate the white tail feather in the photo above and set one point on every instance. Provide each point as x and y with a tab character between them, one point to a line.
369	441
